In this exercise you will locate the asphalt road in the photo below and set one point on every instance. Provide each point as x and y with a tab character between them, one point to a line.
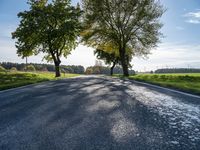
98	113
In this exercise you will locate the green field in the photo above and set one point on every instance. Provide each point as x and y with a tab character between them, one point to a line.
16	79
183	82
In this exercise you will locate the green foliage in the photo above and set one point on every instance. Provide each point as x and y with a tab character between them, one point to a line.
73	69
2	69
131	27
48	27
30	68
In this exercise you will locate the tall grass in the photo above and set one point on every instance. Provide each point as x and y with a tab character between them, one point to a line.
16	79
184	82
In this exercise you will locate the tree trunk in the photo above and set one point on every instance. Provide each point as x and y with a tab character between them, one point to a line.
57	69
57	62
26	63
124	62
111	69
125	67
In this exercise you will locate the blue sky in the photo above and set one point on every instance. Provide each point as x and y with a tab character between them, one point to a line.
179	48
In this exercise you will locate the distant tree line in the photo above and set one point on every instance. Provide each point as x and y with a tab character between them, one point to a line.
73	69
42	67
178	70
105	70
65	69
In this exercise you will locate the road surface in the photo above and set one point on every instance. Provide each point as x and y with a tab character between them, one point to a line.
98	113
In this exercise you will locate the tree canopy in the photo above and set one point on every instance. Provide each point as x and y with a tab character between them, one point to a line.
130	26
49	27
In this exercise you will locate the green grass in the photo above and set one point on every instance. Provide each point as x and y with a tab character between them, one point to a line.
16	79
183	82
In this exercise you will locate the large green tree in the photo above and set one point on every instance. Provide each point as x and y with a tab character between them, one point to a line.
49	27
128	24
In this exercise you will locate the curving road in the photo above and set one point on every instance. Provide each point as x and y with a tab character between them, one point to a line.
98	113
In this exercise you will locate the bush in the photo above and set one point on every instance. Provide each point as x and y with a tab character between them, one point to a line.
30	68
13	69
89	70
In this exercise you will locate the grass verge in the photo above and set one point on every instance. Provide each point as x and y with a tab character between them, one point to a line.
10	80
184	82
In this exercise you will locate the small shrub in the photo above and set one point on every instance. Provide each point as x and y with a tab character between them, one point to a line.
89	71
30	68
13	69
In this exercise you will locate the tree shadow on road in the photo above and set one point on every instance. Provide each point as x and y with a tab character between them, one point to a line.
91	113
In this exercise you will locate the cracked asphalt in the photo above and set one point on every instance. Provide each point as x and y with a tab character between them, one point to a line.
98	113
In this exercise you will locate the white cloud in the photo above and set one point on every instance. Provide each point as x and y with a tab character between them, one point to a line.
193	17
193	21
194	14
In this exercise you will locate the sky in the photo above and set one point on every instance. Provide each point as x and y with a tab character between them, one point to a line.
180	46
